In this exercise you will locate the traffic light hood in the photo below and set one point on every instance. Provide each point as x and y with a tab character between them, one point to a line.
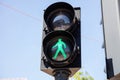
59	16
57	41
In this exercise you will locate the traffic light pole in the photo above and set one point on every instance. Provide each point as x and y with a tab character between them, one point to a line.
62	74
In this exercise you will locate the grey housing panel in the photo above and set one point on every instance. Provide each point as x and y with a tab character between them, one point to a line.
111	22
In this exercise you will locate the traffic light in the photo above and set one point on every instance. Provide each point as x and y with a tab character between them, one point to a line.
61	44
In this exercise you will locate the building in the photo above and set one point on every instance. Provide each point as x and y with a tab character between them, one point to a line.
111	27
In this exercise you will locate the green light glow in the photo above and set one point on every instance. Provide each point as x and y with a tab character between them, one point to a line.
60	44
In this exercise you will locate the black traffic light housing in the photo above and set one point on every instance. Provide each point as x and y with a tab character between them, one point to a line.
61	25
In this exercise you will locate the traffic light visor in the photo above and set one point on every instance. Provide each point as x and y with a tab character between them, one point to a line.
59	16
59	46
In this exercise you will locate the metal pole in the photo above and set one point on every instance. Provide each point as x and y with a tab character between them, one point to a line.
62	74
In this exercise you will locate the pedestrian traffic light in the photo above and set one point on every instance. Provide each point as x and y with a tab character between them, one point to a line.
61	44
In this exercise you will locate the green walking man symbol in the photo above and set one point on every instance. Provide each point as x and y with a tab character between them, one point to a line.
60	44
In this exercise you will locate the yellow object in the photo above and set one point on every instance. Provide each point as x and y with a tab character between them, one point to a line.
82	76
77	75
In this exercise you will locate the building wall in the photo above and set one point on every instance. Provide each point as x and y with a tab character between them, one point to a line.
111	22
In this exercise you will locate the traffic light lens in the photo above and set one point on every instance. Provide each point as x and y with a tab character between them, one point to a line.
61	19
61	22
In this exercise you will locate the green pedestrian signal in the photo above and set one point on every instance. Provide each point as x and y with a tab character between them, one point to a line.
60	49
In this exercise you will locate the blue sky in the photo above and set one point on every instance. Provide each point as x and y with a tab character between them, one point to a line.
21	25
